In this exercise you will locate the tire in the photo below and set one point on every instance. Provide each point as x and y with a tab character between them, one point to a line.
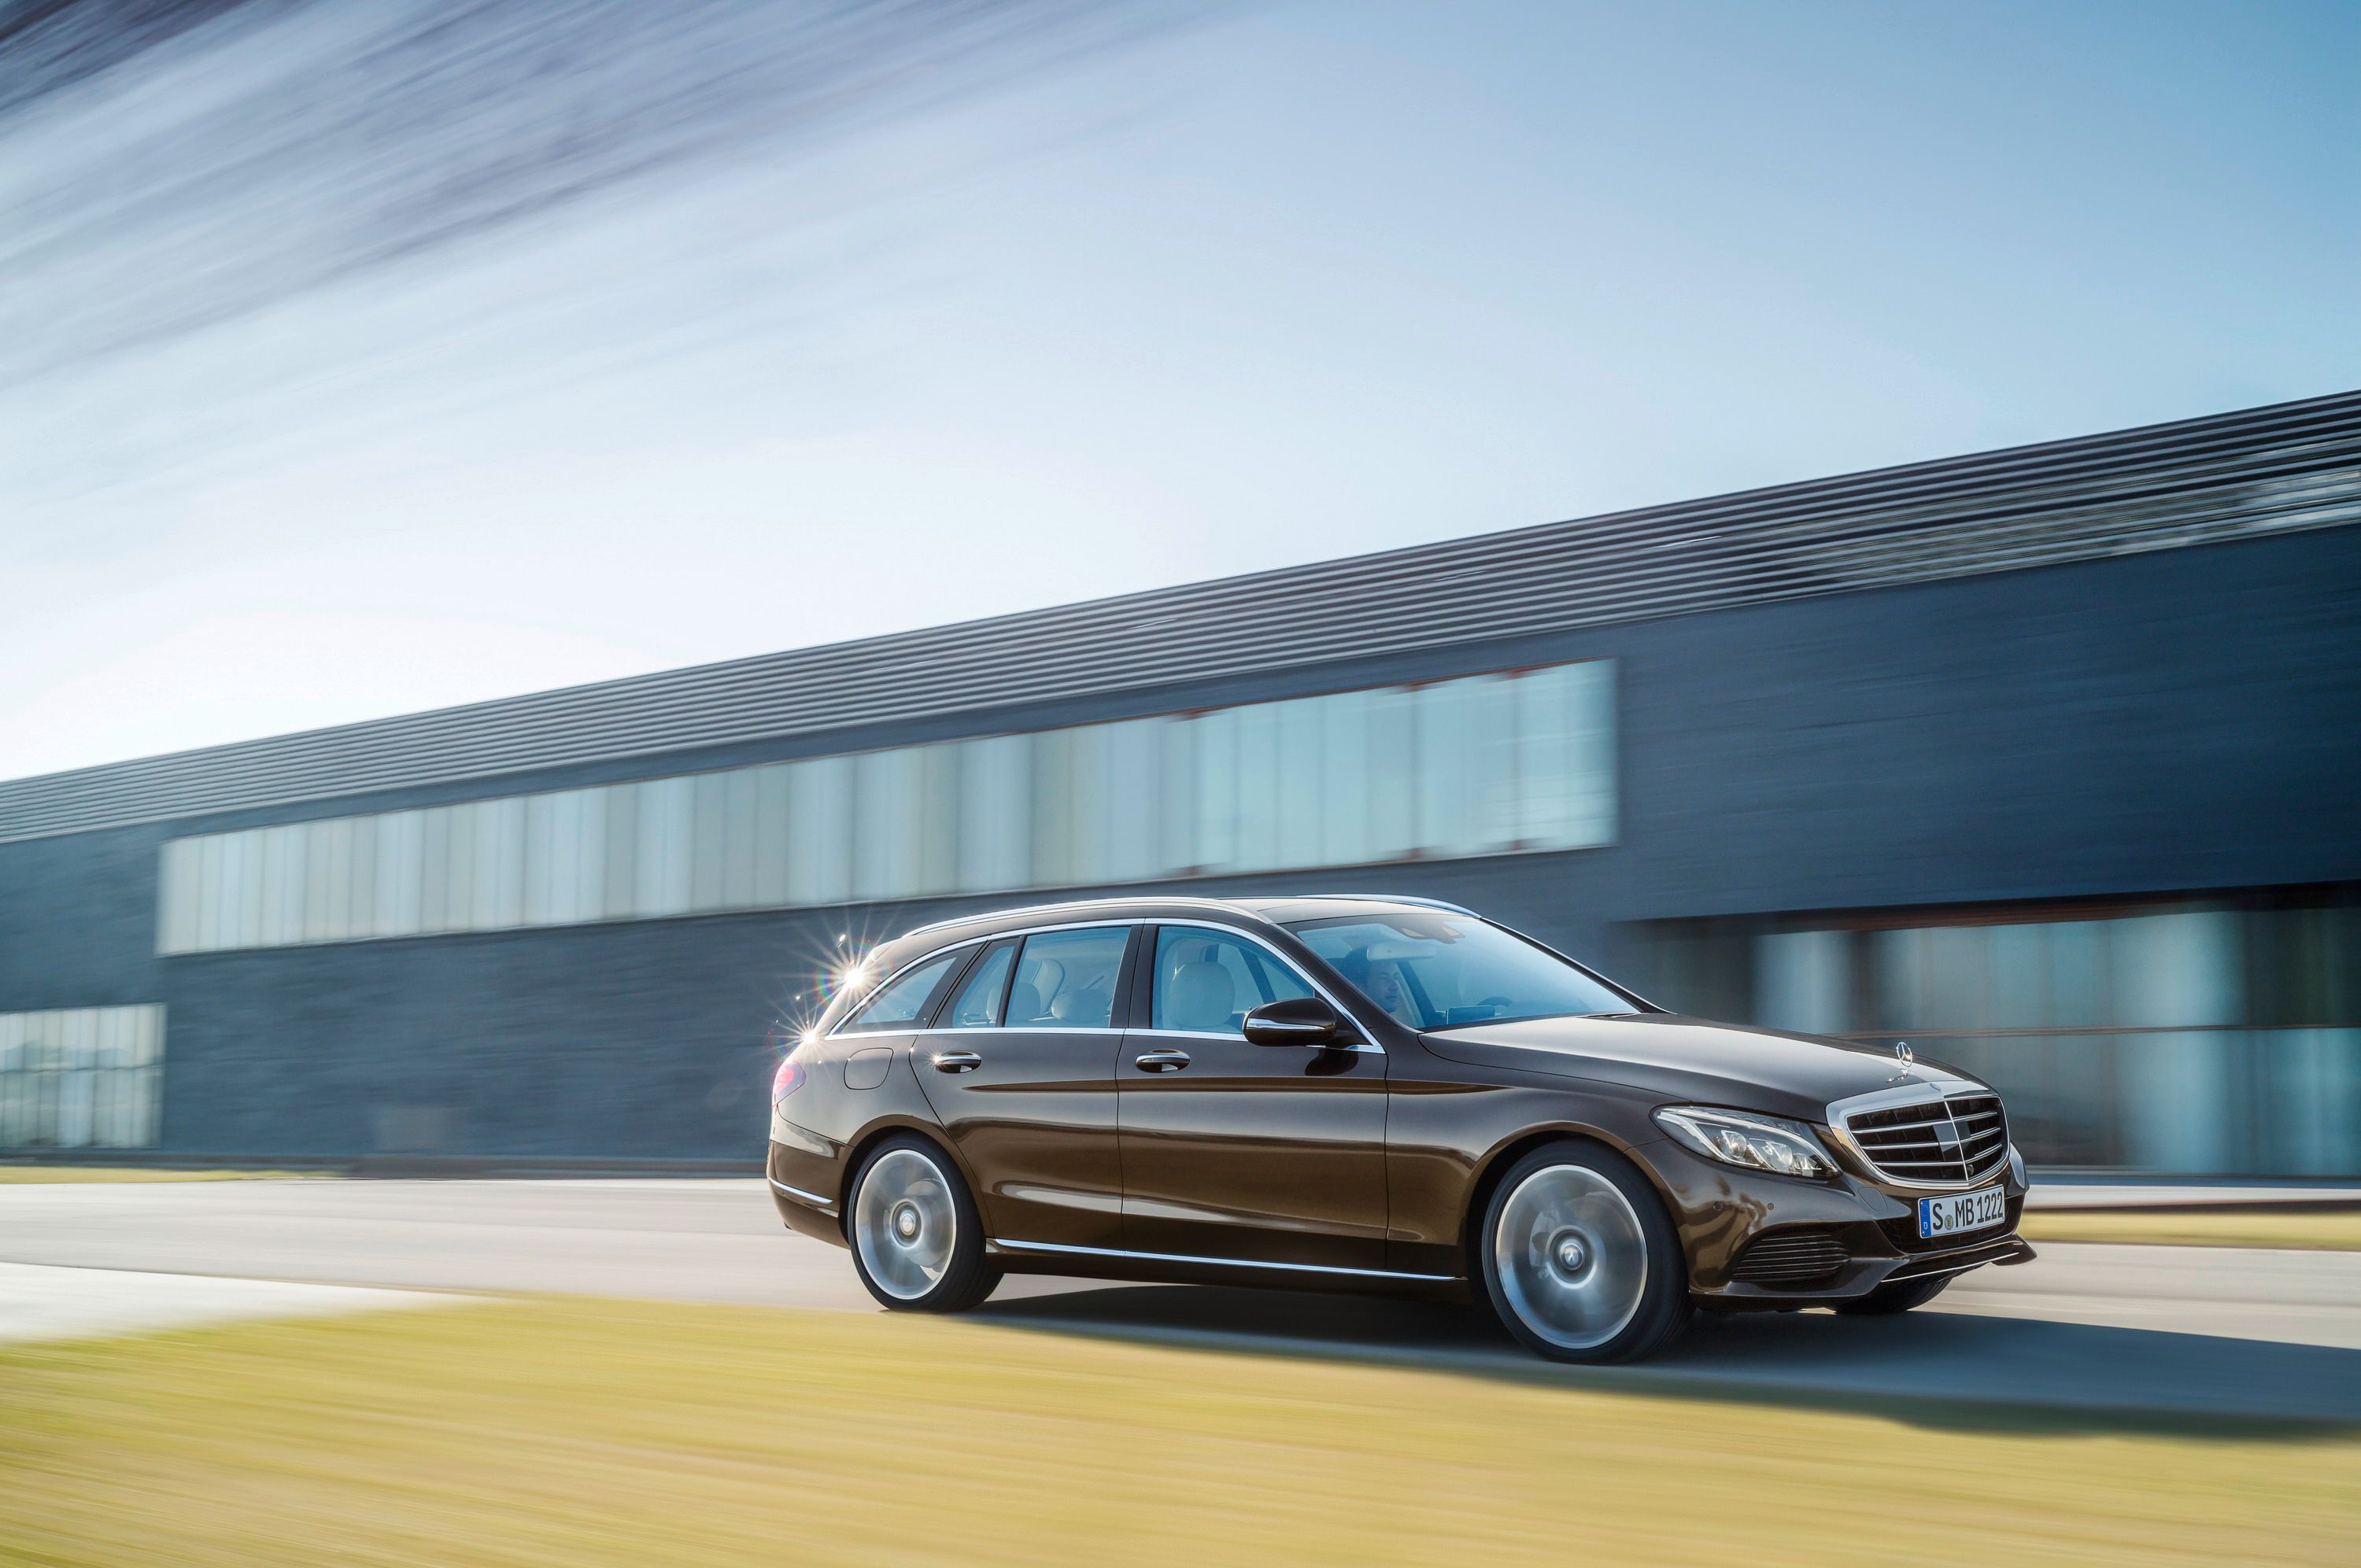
1888	1299
918	1240
1579	1259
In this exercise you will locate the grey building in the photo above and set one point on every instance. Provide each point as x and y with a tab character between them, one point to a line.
2046	760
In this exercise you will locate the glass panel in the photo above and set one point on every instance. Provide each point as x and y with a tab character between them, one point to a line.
1590	754
1393	774
1054	808
662	882
1177	796
772	834
1088	819
360	908
619	819
308	865
500	862
542	900
904	999
739	838
1344	753
328	895
1257	787
1296	774
435	870
977	1005
176	902
937	807
460	875
1134	763
207	897
1215	743
819	861
1206	982
886	824
995	832
1445	814
400	854
593	870
1805	981
74	1095
1066	980
282	903
710	816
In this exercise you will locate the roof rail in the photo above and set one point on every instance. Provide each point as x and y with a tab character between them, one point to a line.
1401	898
1222	905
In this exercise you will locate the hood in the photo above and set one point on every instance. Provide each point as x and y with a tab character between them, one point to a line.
1689	1060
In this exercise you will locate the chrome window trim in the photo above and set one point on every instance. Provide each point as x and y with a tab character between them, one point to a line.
814	1199
1065	1249
1360	1048
1366	1043
974	1029
1937	1088
844	1025
984	940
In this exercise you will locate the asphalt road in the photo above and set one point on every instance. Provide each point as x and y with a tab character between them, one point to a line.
2190	1331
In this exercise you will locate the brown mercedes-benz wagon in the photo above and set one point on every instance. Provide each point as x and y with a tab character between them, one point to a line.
1366	1093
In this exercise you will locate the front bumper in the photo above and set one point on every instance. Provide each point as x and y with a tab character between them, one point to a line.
1759	1241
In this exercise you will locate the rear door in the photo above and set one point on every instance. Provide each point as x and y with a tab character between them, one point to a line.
1020	1067
1240	1152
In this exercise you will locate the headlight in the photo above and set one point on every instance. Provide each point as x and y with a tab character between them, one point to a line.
1742	1138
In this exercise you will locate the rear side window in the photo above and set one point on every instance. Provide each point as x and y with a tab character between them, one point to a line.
902	1000
977	1005
1066	980
1206	981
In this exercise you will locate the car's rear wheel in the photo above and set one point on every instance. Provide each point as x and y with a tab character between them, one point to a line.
1579	1258
1887	1299
917	1242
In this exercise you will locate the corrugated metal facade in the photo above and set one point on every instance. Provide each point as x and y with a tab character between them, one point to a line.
2272	470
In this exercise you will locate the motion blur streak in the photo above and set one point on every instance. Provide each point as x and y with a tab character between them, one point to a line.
168	167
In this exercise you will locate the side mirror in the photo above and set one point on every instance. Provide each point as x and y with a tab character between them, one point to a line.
1297	1020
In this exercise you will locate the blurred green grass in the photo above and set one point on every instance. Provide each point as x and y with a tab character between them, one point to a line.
29	1173
2323	1230
596	1432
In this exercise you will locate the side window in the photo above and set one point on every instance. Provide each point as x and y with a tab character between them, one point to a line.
1066	980
977	1005
1207	980
903	1000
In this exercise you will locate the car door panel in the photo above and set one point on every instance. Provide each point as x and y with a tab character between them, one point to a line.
1030	1104
1246	1153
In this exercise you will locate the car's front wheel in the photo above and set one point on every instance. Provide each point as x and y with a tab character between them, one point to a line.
917	1242
1579	1258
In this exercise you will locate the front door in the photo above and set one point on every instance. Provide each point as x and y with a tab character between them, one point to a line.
1240	1152
1020	1067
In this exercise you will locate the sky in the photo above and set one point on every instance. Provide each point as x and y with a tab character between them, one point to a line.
1233	287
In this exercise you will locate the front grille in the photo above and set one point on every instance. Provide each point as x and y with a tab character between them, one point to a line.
1790	1258
1937	1143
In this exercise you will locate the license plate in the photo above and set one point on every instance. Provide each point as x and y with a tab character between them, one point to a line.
1966	1212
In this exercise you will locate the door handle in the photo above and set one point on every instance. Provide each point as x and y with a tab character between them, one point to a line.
1160	1061
957	1061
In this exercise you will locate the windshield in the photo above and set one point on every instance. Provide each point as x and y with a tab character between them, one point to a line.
1441	972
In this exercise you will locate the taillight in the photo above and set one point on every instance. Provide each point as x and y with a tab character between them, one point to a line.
787	1080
